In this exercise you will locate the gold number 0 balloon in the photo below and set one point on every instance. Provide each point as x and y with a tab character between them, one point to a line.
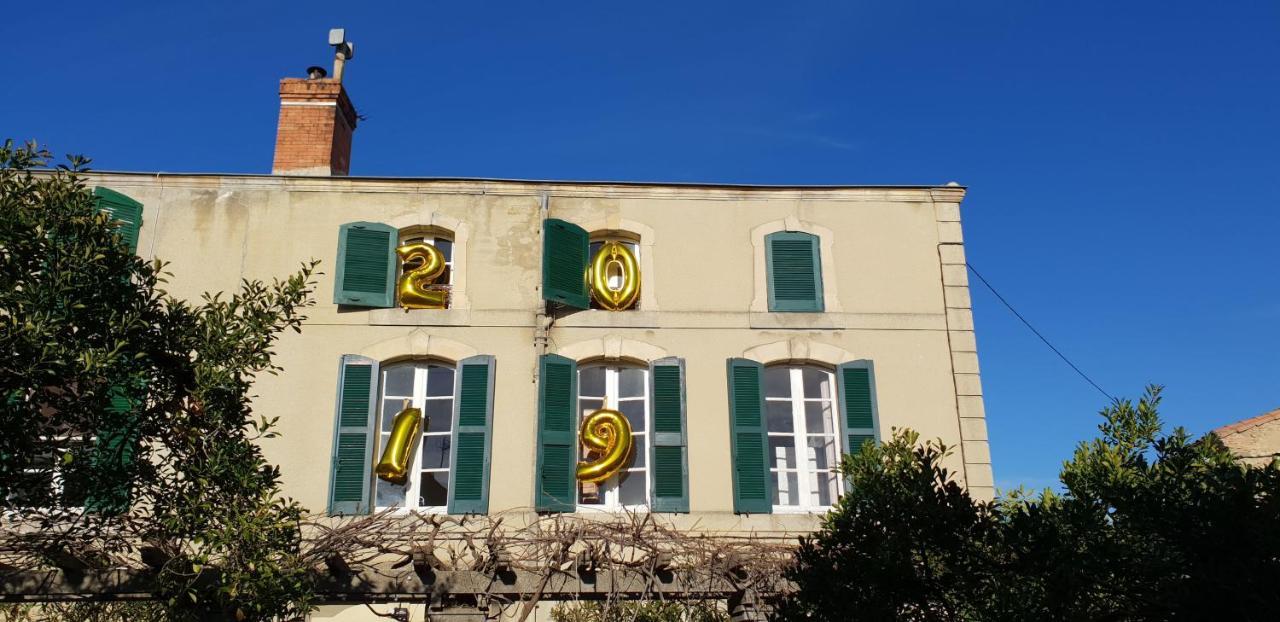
412	287
614	259
607	434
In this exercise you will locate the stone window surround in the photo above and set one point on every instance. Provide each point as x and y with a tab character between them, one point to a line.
826	241
460	232
799	351
642	235
417	345
612	348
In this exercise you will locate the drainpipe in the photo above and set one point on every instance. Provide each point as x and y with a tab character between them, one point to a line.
543	319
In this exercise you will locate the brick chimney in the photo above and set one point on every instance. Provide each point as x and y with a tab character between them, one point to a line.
316	123
316	118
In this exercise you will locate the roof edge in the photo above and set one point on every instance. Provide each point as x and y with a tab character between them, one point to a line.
561	182
1247	424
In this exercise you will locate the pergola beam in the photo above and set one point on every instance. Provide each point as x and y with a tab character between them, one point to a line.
405	585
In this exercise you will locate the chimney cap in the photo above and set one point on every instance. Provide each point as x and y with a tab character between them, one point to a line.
316	72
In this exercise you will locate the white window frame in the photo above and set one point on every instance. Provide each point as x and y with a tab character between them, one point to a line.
418	400
806	457
609	489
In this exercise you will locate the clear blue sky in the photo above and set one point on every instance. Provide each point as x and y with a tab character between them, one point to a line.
1122	157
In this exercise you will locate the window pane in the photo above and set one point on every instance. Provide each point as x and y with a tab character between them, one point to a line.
591	381
445	246
786	490
398	381
639	452
817	383
75	488
595	248
435	452
777	382
782	452
588	406
590	494
631	382
634	411
631	488
439	381
821	452
817	418
390	408
32	490
435	489
824	488
780	416
441	414
390	495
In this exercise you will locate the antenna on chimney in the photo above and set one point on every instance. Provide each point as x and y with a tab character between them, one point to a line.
343	51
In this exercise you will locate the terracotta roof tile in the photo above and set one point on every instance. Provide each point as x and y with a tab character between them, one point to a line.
1247	424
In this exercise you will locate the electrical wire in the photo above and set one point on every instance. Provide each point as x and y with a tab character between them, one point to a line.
1037	333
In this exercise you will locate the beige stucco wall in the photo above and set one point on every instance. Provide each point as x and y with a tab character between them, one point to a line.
1255	441
892	261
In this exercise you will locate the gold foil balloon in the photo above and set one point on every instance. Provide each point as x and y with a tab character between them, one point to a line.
614	260
423	265
406	434
607	435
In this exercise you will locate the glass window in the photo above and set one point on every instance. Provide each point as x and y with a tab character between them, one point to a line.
804	449
444	244
429	387
614	281
626	390
48	481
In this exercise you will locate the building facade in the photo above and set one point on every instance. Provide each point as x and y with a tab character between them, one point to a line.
774	329
1256	440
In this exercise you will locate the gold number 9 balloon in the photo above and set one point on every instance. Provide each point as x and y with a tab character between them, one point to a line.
396	456
614	260
423	264
607	435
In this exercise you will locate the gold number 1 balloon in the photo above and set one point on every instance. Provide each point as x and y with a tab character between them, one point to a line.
424	264
614	259
607	436
406	430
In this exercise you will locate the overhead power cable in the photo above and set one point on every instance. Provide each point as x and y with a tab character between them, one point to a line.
1037	333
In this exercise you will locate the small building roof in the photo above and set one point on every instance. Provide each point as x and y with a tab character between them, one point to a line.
1247	424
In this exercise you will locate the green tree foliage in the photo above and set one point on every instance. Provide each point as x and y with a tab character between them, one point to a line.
139	403
84	612
645	611
1147	526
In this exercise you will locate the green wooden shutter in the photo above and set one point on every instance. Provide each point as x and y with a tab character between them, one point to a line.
859	421
795	271
353	435
472	436
565	252
752	482
366	265
123	210
557	486
112	456
668	447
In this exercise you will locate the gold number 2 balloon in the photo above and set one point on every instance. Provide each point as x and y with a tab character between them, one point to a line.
424	264
607	435
614	260
405	431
